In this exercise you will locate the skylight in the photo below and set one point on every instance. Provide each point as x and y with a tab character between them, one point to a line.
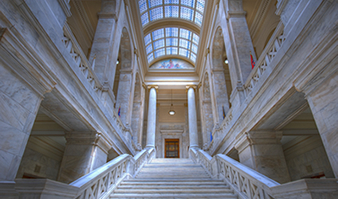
191	10
171	41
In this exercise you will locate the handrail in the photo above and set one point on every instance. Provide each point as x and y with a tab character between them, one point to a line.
246	182
100	183
276	41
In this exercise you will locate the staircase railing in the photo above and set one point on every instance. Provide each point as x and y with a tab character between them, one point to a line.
100	183
246	182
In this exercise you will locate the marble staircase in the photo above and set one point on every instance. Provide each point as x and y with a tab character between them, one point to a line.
172	178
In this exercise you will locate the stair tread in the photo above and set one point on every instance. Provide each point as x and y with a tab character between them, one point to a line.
172	178
176	196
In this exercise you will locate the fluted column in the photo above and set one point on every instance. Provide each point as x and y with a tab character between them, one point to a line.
193	136
151	127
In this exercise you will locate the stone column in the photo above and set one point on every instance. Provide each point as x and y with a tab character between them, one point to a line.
238	44
151	125
84	152
323	102
263	152
103	39
193	135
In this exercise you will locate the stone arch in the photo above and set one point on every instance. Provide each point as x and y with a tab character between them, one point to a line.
221	81
123	78
207	115
136	111
125	50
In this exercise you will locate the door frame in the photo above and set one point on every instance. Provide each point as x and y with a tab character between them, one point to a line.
171	139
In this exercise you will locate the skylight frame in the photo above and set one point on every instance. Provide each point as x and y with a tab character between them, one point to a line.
147	7
181	35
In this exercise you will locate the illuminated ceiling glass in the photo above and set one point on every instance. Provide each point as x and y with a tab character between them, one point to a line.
171	41
191	10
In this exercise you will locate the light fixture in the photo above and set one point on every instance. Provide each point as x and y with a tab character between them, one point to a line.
117	62
226	61
171	112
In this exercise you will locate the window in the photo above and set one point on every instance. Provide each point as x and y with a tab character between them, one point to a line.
171	41
190	10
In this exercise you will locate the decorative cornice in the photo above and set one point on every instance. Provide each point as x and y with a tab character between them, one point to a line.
65	7
280	6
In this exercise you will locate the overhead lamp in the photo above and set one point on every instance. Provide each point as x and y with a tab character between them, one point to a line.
117	62
226	61
171	112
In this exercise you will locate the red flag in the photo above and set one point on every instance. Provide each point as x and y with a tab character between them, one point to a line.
252	61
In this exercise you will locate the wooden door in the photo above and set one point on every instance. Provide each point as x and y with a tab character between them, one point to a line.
172	148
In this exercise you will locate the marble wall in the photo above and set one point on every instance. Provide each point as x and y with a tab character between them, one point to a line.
306	157
42	158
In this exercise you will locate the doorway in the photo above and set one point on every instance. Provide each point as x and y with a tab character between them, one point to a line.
172	148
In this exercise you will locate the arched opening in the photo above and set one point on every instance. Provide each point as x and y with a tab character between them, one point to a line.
221	76
123	78
136	115
207	116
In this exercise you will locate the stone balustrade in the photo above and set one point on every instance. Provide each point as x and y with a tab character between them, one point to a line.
276	41
245	181
97	184
87	69
219	130
80	59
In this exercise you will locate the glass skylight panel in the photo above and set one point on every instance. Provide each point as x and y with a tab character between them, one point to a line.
171	32
158	44
171	51
147	39
157	34
195	39
194	48
186	34
186	13
193	57
149	48
200	5
150	57
156	13
184	43
184	52
154	3
159	52
143	6
171	41
190	3
144	19
198	18
191	10
171	11
171	1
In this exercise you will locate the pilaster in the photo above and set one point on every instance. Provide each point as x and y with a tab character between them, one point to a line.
84	152
263	152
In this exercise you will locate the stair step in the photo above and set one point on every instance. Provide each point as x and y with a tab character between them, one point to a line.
173	183
160	190
171	196
172	180
165	186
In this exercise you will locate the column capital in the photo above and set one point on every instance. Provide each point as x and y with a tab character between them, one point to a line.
190	86
153	86
257	138
88	138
